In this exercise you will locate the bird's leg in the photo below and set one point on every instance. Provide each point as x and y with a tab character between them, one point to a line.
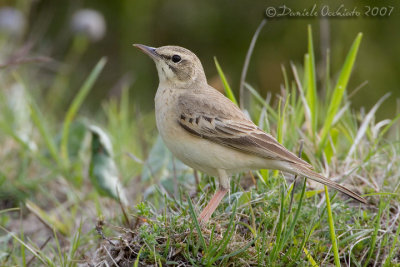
216	199
212	205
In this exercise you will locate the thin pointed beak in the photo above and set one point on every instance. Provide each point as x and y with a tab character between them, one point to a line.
151	51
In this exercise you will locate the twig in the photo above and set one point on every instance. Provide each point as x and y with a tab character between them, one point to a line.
99	229
134	158
196	178
108	253
358	88
19	61
127	221
40	248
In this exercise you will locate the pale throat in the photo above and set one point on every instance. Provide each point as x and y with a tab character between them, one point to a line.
169	79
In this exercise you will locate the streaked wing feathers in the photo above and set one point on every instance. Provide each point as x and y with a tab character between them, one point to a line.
212	116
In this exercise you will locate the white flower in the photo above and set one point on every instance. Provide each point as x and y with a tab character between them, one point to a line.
12	21
90	23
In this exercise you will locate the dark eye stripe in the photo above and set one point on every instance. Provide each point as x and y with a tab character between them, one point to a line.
166	57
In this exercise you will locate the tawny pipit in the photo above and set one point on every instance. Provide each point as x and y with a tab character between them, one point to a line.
208	132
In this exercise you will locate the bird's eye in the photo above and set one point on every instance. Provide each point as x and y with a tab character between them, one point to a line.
176	58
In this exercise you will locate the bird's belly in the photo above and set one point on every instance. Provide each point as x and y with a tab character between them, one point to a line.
207	156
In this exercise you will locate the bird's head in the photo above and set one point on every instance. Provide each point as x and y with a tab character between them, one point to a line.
177	66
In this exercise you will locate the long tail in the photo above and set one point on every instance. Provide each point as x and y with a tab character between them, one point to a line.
323	180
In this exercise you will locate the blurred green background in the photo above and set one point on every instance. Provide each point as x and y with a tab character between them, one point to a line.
47	65
209	28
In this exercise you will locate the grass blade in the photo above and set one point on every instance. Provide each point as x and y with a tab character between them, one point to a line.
39	122
76	104
239	250
332	228
394	243
228	89
363	128
310	258
23	254
311	92
136	264
32	250
244	96
375	233
307	112
281	118
257	96
196	222
227	236
339	90
390	124
296	216
51	221
278	229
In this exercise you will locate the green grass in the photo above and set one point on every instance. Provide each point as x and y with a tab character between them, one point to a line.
51	214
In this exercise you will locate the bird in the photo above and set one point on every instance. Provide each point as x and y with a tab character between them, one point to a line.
208	132
103	171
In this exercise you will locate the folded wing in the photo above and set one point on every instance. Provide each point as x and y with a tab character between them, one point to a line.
210	115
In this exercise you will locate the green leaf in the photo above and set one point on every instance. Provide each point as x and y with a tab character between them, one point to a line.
103	171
